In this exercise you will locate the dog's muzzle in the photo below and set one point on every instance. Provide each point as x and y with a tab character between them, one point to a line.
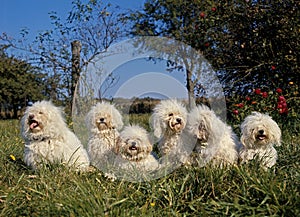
261	135
175	123
101	121
32	122
133	147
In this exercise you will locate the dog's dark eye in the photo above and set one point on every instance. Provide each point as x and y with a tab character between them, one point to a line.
171	114
41	113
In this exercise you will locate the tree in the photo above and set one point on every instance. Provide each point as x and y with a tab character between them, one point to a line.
178	20
249	43
261	45
20	83
92	23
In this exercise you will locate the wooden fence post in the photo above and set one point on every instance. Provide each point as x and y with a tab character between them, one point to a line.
76	69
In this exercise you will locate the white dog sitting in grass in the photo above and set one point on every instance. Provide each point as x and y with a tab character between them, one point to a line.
48	140
134	151
104	122
216	142
259	135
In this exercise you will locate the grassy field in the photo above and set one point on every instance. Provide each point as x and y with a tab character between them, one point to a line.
238	191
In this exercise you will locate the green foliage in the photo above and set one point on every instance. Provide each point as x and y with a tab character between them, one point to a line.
20	82
263	44
249	43
281	104
237	191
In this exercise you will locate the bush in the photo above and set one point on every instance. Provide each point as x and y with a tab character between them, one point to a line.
281	104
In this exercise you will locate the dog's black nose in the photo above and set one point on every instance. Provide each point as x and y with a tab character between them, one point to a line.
178	120
133	143
31	116
261	132
101	119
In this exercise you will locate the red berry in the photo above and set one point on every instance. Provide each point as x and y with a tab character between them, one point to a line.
273	67
283	111
279	90
248	98
206	44
213	9
202	14
281	99
264	94
241	105
284	105
257	91
279	106
236	112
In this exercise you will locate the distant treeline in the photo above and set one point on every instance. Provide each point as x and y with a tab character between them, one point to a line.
126	106
9	112
144	105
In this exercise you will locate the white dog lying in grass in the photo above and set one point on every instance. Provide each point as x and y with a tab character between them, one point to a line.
259	135
48	139
216	142
134	153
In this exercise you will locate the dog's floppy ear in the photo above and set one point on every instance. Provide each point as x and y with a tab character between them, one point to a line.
90	121
156	125
24	124
242	139
276	134
245	131
246	141
278	142
117	120
149	147
116	148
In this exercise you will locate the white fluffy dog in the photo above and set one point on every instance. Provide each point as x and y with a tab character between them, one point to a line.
49	140
135	150
216	142
103	122
259	135
168	122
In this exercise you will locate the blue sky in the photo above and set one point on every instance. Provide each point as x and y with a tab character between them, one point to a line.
33	14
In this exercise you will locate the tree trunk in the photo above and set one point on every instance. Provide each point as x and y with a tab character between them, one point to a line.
76	69
190	88
15	112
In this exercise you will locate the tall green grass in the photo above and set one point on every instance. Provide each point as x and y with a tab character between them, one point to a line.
236	191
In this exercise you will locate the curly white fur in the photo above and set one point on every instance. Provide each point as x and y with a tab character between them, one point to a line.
48	139
259	135
168	122
135	150
103	122
216	141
